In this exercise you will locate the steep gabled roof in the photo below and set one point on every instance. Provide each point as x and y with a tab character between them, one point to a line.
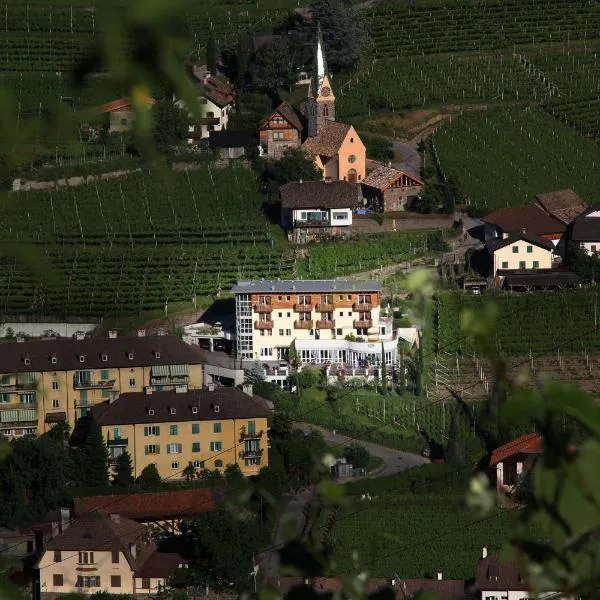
149	505
586	227
565	205
536	240
384	177
123	103
328	140
288	113
530	443
529	216
319	194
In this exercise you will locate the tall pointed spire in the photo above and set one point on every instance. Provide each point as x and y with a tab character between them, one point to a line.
320	65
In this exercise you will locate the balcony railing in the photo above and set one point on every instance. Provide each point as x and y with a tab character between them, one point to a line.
99	384
117	442
184	379
362	306
312	223
18	387
363	324
303	324
325	307
263	324
325	324
303	308
263	308
254	435
252	453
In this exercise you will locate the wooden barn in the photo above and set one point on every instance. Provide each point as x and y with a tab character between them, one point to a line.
387	189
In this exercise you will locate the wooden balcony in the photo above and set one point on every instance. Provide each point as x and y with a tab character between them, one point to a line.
364	324
263	325
303	308
325	324
325	307
263	308
364	307
303	324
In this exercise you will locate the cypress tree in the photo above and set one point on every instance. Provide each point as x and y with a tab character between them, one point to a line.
94	466
149	478
123	470
211	55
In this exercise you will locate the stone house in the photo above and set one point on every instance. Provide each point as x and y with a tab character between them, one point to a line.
280	131
387	189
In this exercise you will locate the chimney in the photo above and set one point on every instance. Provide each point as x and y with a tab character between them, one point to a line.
141	333
247	389
484	552
439	576
65	518
301	181
115	517
211	387
112	334
148	389
80	335
393	582
55	528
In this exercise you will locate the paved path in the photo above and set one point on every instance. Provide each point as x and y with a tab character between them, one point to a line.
292	519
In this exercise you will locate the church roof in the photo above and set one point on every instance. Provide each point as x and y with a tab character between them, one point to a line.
328	140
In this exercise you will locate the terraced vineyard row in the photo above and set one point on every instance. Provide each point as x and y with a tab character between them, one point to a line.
504	157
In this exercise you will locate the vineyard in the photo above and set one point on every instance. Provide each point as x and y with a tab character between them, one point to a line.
504	157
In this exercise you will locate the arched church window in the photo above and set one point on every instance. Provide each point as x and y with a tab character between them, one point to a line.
325	110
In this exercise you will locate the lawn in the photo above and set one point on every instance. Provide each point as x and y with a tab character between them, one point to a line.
415	533
9	591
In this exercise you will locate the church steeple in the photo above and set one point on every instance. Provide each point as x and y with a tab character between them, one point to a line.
321	101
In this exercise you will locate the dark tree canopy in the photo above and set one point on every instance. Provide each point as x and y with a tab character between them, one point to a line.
149	478
123	470
170	124
211	55
94	459
294	165
357	455
275	66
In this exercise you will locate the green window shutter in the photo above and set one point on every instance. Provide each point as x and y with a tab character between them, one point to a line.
173	430
195	428
217	428
196	447
515	249
536	264
83	396
104	374
251	426
529	249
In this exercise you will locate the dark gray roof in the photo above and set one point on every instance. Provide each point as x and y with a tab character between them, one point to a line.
305	286
139	407
232	139
147	351
320	194
493	573
587	228
538	278
536	240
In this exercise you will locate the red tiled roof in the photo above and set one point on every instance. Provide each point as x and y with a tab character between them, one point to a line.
493	573
148	505
531	443
121	103
530	217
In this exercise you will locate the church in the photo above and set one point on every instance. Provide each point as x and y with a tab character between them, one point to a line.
335	147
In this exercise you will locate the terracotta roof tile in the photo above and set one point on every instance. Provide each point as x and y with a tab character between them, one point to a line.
160	564
530	443
565	205
529	216
122	103
329	139
384	177
149	505
493	573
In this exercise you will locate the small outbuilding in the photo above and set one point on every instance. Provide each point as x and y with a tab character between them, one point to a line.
387	189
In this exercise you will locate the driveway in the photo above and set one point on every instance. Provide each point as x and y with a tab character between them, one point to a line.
292	519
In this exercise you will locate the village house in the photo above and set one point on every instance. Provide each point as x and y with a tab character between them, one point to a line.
564	205
336	148
519	251
44	382
313	209
161	510
512	459
209	428
106	552
585	230
280	131
387	189
121	115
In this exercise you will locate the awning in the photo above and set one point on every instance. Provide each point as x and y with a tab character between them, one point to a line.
57	417
179	370
160	371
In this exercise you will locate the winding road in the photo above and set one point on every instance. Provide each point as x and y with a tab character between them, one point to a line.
292	518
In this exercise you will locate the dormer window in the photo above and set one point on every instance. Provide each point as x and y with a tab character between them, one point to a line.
104	357
173	411
82	358
151	412
157	354
130	355
53	359
26	360
216	408
194	410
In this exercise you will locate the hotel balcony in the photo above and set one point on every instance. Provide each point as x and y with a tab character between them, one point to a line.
364	324
263	308
303	324
263	325
362	307
325	324
303	308
251	453
325	307
90	385
255	435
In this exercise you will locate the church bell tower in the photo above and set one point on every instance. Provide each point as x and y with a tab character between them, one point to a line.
321	101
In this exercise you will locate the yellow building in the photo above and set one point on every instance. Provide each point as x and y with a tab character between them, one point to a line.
211	428
101	552
519	252
43	382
